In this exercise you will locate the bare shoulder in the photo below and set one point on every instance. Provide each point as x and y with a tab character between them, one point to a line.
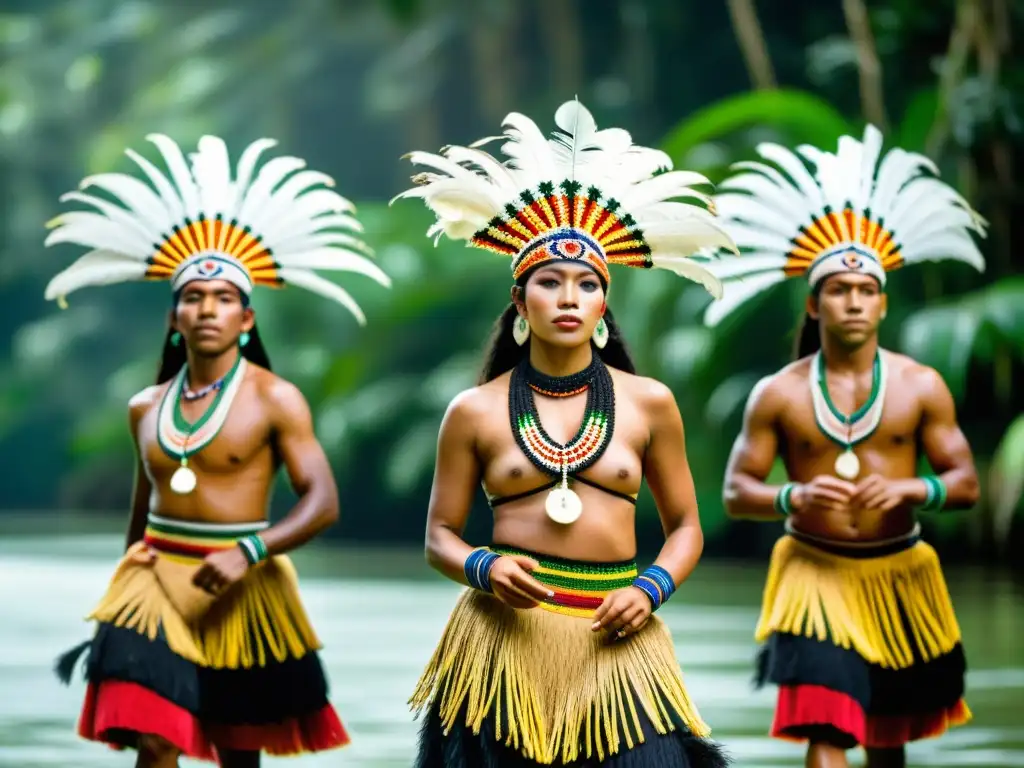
917	377
651	396
283	400
771	393
142	402
473	405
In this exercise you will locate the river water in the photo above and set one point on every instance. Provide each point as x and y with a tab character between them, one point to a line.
379	613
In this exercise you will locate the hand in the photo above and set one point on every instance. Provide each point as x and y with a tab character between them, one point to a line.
623	611
512	583
880	494
823	494
220	570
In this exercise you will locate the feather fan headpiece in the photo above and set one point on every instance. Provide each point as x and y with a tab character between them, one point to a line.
269	228
583	195
853	215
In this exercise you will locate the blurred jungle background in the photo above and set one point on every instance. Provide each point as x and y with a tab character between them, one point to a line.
352	85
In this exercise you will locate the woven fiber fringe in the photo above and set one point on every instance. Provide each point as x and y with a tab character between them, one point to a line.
555	689
856	602
259	619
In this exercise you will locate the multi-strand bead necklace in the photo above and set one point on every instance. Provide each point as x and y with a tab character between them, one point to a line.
563	505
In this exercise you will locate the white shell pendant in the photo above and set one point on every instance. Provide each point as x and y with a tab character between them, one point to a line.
563	505
183	481
847	465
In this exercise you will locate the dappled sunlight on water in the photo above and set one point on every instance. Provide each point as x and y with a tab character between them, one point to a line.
379	624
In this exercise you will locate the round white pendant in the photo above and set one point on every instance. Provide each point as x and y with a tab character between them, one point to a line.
563	506
183	481
847	465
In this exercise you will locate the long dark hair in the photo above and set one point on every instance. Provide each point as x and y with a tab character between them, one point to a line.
503	354
173	357
808	337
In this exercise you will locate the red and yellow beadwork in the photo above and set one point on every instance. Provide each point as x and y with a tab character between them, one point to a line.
563	225
576	454
841	229
214	236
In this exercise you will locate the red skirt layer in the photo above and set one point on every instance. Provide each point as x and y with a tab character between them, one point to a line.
804	706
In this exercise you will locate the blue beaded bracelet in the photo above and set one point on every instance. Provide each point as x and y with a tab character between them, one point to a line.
478	568
657	584
936	498
783	503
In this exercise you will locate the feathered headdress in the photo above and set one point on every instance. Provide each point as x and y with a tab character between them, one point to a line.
854	215
584	195
268	228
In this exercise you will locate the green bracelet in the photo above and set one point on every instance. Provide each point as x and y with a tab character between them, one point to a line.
935	499
782	502
254	549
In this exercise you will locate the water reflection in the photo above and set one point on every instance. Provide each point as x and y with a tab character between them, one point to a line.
380	612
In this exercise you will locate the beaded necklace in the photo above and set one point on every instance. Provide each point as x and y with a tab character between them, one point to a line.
591	440
847	430
180	438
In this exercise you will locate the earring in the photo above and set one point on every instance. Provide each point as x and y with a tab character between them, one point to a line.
521	330
243	339
175	339
600	335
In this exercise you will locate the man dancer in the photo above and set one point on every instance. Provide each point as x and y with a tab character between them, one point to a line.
203	647
859	631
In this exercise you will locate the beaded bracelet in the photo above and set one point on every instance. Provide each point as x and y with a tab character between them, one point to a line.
936	496
253	548
478	568
657	584
783	499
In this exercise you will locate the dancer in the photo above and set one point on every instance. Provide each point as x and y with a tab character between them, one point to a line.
203	647
553	656
858	628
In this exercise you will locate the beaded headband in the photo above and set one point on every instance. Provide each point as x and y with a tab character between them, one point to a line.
584	195
268	228
854	215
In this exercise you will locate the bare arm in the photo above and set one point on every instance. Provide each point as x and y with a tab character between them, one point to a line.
671	482
944	444
745	494
142	488
456	474
307	467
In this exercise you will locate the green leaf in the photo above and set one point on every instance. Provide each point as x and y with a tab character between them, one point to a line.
802	116
1006	479
947	336
913	130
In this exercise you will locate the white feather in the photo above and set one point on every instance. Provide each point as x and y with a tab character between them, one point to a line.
737	292
294	212
466	187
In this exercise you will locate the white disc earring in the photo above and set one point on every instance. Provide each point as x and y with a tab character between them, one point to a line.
520	330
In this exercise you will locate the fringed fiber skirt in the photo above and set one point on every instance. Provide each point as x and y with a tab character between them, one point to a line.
862	643
234	673
508	687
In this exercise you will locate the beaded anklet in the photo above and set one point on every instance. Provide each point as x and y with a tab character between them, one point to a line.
657	584
478	568
936	498
253	548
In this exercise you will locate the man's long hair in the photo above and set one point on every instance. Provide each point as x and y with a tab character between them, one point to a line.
808	337
173	357
503	354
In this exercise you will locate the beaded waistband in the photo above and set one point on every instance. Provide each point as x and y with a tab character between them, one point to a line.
192	540
579	586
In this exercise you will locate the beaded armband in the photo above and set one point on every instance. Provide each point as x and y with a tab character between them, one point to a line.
936	498
783	504
657	584
254	549
478	568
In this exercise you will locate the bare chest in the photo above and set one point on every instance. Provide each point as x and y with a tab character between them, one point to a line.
506	450
241	437
896	428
